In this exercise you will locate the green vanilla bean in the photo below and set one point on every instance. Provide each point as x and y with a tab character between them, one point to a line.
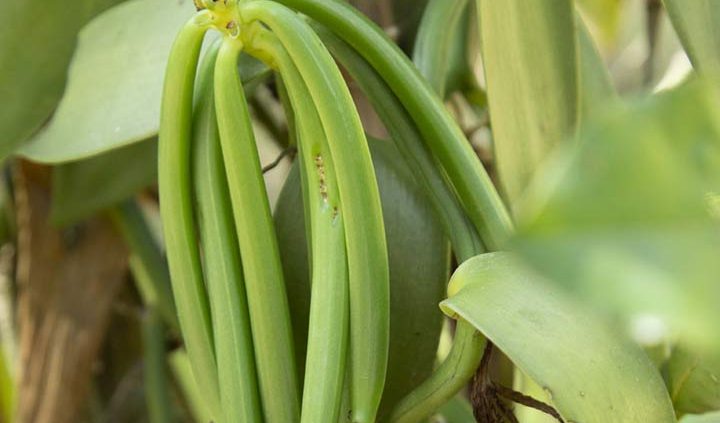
443	136
329	307
469	344
176	209
239	395
267	300
439	30
458	228
155	368
364	230
148	262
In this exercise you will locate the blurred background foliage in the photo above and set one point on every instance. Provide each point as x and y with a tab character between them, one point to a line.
625	218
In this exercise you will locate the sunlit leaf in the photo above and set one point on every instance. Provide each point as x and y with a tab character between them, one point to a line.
626	220
589	372
36	44
115	81
529	52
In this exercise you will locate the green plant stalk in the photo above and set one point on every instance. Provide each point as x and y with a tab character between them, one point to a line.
448	379
364	230
269	313
148	262
237	378
443	136
329	307
154	368
182	373
460	231
176	210
433	50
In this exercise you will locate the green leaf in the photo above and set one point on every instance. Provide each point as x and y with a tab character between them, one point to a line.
36	44
85	187
441	55
704	418
590	373
627	218
414	236
697	22
693	382
115	82
530	56
596	88
457	410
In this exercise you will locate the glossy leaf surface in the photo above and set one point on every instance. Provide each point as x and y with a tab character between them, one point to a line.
590	373
36	44
115	82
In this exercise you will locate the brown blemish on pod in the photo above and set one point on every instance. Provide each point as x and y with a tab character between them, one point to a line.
320	166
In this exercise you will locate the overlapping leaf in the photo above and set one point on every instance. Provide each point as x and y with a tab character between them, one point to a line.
697	22
589	372
115	82
542	73
629	219
36	44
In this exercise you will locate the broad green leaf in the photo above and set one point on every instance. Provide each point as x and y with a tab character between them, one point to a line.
702	418
84	187
114	87
626	219
37	41
414	236
693	382
589	372
115	82
530	56
697	22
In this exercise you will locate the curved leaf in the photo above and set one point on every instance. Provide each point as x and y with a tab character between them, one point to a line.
697	22
693	381
626	219
115	82
590	373
36	44
529	51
